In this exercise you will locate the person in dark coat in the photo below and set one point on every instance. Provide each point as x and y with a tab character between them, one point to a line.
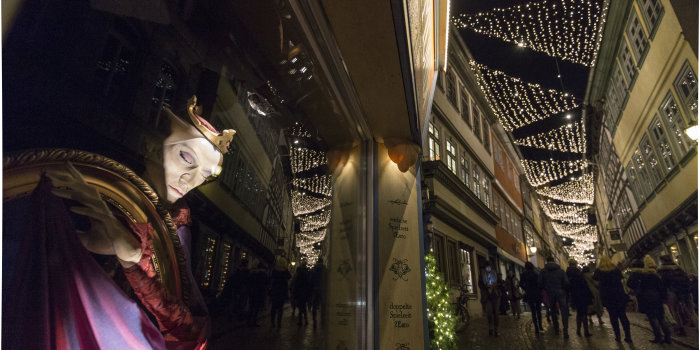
597	306
581	297
490	296
236	291
279	278
554	281
513	288
613	296
677	286
318	276
503	292
301	289
651	294
533	295
257	288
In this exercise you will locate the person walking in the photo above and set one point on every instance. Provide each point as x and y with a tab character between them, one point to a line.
677	286
318	274
258	285
514	295
581	297
503	292
533	295
651	294
554	281
301	291
597	306
613	296
279	278
490	296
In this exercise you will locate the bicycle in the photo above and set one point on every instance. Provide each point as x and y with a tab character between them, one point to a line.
462	308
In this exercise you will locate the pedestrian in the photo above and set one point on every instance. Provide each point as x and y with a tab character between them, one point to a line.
597	306
236	290
279	279
554	281
677	286
613	296
651	294
257	287
302	291
514	295
581	297
318	274
533	295
490	296
503	292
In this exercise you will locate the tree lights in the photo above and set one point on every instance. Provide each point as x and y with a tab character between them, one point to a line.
578	190
567	29
517	103
566	138
441	316
540	172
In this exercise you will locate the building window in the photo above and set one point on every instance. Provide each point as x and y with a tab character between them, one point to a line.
620	85
655	170
163	90
466	266
614	103
439	251
487	136
652	11
451	156
451	88
661	144
634	184
635	34
675	125
498	155
486	191
441	80
453	262
476	112
464	164
116	63
629	68
686	85
434	141
466	112
477	181
643	173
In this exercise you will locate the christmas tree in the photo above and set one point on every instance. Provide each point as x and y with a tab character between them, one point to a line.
441	316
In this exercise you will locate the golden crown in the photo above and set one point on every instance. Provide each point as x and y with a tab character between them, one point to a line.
220	140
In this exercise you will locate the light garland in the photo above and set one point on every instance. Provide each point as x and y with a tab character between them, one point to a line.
565	229
579	190
314	221
316	184
566	138
540	172
303	203
518	103
563	211
441	315
568	29
304	159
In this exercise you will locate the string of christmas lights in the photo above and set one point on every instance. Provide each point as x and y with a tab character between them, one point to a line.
567	29
517	103
315	221
441	315
560	211
303	203
304	159
579	190
319	184
565	229
566	138
540	172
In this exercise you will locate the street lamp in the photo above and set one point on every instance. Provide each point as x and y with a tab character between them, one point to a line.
533	250
693	132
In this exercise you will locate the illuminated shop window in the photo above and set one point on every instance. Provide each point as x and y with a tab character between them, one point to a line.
208	261
466	266
226	264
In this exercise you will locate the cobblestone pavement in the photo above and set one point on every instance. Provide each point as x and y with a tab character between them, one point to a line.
517	334
228	334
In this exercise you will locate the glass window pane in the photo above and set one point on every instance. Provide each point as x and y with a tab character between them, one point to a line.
675	125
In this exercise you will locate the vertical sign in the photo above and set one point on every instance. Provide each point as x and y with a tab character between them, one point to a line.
400	304
344	300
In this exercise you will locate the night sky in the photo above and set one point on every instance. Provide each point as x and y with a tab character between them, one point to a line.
530	66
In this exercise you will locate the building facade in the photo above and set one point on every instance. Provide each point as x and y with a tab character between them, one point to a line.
644	93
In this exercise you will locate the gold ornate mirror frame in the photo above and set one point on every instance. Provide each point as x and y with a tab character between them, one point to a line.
120	187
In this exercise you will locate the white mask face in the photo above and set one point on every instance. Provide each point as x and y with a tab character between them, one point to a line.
187	163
